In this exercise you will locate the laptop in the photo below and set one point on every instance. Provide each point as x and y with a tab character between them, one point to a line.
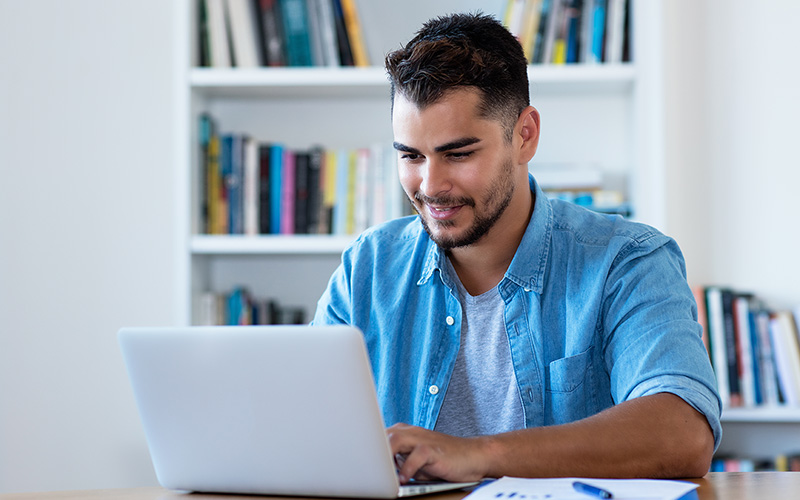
270	410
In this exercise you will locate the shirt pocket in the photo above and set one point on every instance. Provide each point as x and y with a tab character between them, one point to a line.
568	387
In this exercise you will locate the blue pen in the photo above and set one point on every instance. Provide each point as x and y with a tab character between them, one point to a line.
591	490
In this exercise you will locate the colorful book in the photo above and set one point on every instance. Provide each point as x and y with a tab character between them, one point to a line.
342	39
276	185
296	33
354	33
288	192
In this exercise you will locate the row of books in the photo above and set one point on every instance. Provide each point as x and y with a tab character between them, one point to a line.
254	33
755	351
571	31
599	200
240	307
251	187
780	463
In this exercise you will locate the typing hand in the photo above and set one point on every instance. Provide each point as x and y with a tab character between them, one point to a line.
424	454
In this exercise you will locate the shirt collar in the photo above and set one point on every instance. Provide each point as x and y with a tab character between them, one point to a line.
527	269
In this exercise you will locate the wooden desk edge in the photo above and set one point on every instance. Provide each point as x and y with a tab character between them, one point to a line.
714	486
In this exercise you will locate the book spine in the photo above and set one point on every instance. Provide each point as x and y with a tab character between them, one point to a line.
263	189
276	192
251	187
272	33
296	32
345	51
288	193
731	343
301	159
716	324
355	33
314	204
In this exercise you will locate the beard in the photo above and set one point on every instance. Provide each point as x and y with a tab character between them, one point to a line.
494	204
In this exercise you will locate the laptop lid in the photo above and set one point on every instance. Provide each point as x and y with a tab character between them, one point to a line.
280	410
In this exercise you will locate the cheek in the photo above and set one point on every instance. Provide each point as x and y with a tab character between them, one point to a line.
408	178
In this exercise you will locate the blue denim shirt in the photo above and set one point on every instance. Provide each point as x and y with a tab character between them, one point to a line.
597	311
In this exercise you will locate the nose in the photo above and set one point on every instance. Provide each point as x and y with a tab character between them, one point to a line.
435	178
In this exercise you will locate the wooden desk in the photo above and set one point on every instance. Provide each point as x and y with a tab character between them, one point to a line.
715	486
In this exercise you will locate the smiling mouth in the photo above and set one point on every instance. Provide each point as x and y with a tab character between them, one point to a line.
442	213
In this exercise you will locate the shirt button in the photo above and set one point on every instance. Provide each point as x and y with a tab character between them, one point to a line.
433	389
450	320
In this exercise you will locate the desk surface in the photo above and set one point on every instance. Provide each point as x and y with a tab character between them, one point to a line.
715	486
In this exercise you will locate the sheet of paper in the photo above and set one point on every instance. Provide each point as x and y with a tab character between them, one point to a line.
512	488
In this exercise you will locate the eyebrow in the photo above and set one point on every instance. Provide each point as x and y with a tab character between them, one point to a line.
458	143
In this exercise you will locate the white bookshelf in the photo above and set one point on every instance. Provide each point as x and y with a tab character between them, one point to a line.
609	115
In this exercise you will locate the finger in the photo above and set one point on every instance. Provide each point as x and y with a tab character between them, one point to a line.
414	463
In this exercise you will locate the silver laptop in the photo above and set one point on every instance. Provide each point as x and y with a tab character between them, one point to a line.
277	410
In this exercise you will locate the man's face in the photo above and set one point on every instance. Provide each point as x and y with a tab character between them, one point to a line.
455	167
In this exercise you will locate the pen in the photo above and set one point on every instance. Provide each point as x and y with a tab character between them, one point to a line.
591	490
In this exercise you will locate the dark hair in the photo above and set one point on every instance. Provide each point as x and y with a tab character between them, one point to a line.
463	50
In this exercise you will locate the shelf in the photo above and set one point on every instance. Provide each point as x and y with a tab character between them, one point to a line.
767	414
269	245
372	82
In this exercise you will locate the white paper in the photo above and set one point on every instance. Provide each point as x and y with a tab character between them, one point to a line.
513	488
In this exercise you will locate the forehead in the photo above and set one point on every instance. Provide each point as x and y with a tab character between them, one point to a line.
454	115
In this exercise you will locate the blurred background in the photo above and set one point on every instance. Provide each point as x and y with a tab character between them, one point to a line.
89	217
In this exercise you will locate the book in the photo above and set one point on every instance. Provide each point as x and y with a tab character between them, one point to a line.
246	46
271	32
263	189
766	359
327	29
301	185
573	25
787	355
315	33
719	356
203	38
204	133
598	32
354	33
251	188
288	176
731	351
540	45
615	31
748	377
342	39
217	18
276	187
294	14
314	212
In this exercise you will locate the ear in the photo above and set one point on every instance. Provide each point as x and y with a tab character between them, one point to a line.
527	129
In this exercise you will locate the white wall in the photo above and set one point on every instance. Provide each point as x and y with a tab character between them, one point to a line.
87	236
86	232
732	110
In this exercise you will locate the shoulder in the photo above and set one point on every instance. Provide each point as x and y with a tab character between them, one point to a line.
579	226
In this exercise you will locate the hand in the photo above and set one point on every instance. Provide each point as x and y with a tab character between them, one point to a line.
426	454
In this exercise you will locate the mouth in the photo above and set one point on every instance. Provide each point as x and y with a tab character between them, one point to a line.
443	212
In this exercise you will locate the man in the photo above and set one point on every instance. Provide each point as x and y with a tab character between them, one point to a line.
510	334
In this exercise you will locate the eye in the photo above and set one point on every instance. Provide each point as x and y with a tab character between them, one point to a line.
410	156
460	155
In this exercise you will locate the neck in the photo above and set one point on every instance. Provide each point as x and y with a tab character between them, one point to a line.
482	265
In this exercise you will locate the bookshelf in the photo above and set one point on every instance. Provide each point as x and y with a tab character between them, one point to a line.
613	111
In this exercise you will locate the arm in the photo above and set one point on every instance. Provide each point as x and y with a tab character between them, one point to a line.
655	436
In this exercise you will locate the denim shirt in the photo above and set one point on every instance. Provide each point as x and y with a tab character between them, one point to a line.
597	311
